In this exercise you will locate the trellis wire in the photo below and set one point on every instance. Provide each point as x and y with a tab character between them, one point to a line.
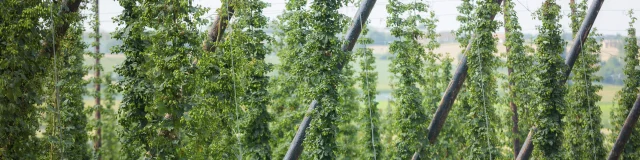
56	89
486	114
366	76
235	94
588	84
484	103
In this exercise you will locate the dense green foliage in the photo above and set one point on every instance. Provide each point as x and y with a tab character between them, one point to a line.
323	54
550	103
135	90
21	76
520	77
369	117
627	96
66	131
187	94
481	84
247	37
111	145
582	113
407	67
286	97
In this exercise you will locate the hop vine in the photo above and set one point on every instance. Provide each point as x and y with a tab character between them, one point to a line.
481	84
550	104
627	95
407	67
369	116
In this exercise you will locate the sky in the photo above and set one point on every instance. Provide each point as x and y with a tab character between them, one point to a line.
611	20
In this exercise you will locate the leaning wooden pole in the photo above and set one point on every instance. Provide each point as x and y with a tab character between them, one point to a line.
217	28
582	35
450	94
295	148
625	133
578	41
452	91
527	146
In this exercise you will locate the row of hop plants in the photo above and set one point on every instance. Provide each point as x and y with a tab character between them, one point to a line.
181	100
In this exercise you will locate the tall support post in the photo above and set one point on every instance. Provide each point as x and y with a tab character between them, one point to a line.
98	138
527	146
512	105
578	41
295	148
625	133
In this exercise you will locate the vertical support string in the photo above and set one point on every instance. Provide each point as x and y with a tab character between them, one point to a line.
234	78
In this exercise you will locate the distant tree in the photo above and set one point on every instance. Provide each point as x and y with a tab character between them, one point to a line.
454	144
111	145
349	104
467	22
627	95
431	70
551	101
96	123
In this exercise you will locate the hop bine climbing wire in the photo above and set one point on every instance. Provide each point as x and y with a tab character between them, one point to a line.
295	148
575	51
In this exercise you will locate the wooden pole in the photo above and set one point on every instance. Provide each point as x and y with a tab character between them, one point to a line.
98	140
512	105
461	72
295	148
527	146
625	133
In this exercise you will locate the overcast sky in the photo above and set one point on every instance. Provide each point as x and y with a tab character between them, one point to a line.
611	20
